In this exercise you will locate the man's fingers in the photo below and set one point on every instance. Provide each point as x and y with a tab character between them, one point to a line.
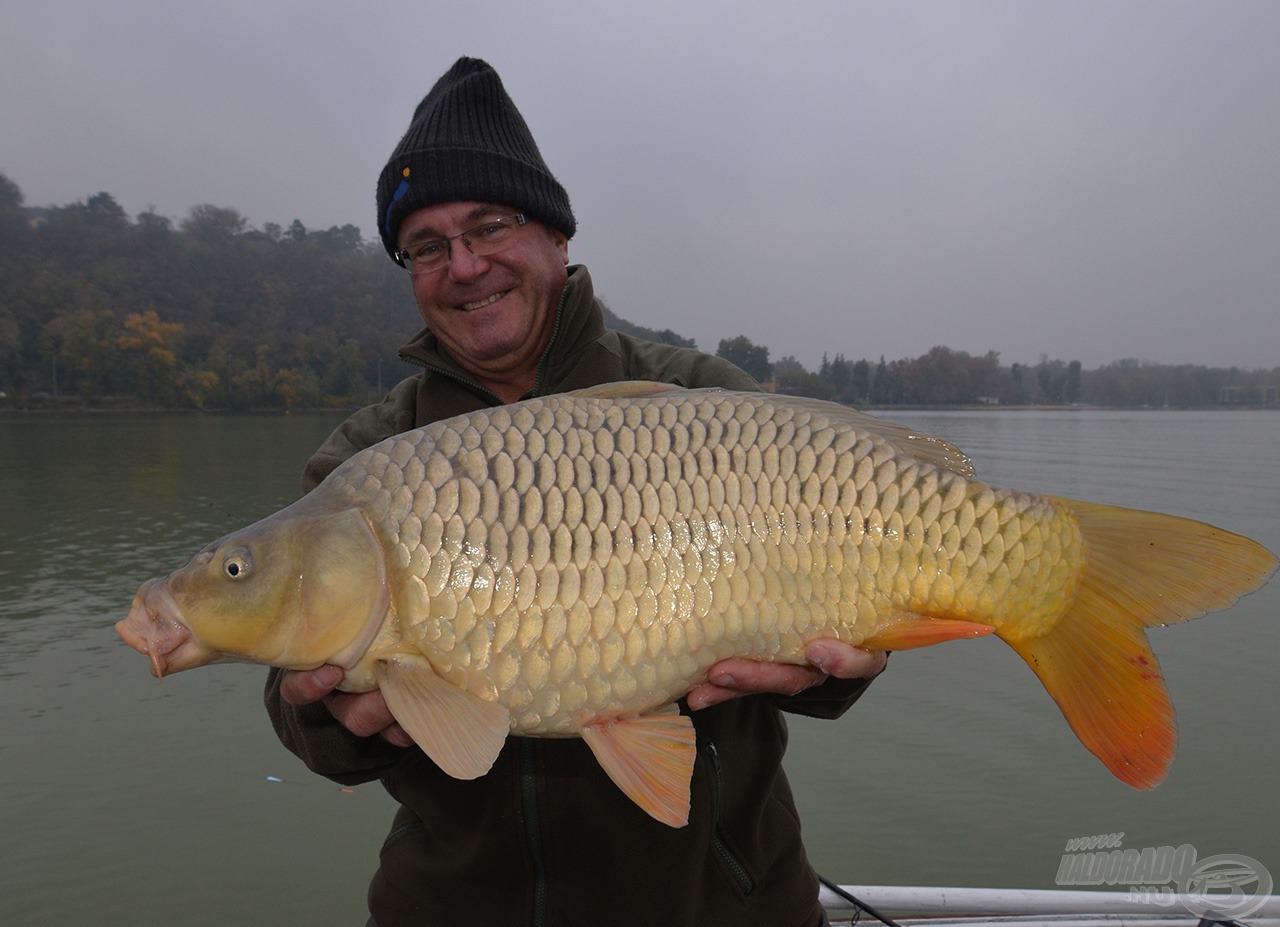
302	687
738	676
836	658
363	714
750	676
734	677
706	695
397	736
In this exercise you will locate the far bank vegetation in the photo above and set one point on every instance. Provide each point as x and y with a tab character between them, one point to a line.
98	309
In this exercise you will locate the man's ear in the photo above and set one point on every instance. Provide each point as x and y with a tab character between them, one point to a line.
560	241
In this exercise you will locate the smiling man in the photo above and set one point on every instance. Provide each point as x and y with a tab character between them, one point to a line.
489	293
468	207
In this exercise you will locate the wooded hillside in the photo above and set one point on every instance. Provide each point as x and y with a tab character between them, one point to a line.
98	308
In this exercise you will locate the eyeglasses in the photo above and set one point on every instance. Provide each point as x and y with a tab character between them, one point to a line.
422	257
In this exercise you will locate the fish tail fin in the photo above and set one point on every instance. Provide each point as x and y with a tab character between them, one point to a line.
1142	569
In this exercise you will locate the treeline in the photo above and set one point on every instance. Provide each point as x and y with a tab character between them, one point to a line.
946	377
209	313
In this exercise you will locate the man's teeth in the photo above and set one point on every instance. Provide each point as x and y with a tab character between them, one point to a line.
480	304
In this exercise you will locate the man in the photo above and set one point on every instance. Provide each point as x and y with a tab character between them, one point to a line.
468	206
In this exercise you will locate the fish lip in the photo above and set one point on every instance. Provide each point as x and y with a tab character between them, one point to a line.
154	627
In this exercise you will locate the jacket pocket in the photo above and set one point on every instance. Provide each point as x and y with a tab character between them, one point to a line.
732	863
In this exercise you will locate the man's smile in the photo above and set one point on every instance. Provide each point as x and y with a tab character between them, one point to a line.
481	303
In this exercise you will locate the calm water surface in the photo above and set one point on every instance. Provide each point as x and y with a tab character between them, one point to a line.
125	801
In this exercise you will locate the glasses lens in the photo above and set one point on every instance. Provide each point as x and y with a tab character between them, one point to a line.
426	256
487	238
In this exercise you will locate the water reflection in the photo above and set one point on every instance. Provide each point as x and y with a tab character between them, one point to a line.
955	769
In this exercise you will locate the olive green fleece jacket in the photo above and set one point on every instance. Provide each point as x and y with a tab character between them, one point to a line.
545	837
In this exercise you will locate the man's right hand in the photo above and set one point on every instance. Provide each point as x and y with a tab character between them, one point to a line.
364	714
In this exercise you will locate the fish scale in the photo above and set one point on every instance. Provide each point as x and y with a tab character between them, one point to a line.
696	544
572	565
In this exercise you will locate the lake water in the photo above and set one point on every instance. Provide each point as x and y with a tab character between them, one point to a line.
126	801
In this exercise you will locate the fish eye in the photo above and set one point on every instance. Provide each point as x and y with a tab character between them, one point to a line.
236	564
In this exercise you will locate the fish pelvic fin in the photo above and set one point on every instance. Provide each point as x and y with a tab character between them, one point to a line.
462	733
1142	569
650	757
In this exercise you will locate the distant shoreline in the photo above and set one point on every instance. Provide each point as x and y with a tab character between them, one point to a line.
63	406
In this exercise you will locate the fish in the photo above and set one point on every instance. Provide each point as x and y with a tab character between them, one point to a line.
573	565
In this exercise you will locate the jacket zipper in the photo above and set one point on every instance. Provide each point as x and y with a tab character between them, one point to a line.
533	831
555	334
740	875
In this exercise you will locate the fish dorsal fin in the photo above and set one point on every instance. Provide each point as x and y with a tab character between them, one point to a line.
917	444
649	757
462	733
628	389
925	447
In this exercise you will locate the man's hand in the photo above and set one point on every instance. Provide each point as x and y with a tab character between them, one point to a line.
829	657
364	714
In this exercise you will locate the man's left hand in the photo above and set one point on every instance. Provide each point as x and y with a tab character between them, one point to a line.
737	676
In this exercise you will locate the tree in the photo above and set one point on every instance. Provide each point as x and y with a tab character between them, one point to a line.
81	351
213	223
11	197
752	358
102	210
1071	391
198	385
152	346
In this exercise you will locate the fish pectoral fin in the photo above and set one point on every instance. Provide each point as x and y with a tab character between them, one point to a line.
463	734
649	757
908	631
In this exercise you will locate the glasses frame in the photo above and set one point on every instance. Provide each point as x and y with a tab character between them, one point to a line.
402	255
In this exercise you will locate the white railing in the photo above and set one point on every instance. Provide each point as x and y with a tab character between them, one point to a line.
928	901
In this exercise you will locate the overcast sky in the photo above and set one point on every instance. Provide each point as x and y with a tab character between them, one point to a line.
1090	181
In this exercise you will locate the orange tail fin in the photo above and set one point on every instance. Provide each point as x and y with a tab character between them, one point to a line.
1142	569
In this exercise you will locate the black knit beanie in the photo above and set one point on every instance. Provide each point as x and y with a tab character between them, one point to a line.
467	141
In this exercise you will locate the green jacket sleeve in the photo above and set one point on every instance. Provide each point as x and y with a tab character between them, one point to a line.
364	428
829	700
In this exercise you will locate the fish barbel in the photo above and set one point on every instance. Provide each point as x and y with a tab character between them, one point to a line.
573	565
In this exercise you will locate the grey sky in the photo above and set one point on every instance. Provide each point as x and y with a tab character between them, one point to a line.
1087	180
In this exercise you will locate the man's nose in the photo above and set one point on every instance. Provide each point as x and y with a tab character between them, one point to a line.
463	264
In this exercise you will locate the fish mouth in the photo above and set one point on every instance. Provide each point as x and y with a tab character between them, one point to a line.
154	627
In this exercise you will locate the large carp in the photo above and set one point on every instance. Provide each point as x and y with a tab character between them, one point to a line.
573	565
